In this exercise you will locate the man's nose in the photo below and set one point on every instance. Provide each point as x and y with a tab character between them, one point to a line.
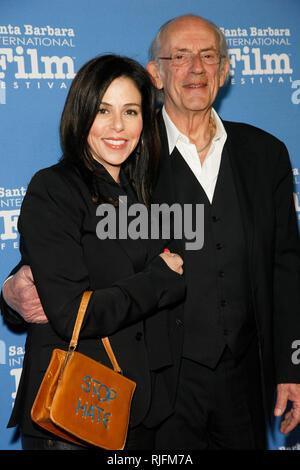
197	64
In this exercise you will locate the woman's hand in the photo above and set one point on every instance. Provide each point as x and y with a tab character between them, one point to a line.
174	261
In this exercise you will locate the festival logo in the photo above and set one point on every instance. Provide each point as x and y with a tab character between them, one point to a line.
2	352
10	204
15	364
295	98
34	57
297	191
259	55
11	358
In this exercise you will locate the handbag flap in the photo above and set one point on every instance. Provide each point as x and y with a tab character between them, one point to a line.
93	402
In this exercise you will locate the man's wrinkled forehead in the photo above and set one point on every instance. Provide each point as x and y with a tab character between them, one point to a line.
188	30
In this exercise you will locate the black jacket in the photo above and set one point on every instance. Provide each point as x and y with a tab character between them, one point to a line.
263	179
130	282
264	183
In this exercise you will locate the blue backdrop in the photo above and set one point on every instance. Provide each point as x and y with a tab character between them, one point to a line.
43	44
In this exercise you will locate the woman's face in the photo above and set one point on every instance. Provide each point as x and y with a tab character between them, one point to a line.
117	127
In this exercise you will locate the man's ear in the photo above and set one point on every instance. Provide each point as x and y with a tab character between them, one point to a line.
153	70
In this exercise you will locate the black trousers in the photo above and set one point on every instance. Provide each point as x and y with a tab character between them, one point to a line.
138	438
217	409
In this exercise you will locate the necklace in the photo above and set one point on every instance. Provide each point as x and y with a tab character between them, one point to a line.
210	137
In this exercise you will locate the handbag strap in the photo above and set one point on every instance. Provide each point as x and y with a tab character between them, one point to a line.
77	327
80	316
112	357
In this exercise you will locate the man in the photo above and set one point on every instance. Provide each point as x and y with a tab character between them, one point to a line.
242	307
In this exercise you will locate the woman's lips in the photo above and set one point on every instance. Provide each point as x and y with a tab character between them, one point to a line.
116	144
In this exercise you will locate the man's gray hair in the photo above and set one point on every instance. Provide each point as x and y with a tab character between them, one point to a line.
154	49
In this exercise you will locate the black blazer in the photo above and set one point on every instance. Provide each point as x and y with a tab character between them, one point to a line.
263	177
130	282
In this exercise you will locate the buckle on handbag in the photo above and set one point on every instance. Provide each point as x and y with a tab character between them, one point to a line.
70	350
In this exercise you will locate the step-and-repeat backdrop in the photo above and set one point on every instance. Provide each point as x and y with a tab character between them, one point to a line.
43	44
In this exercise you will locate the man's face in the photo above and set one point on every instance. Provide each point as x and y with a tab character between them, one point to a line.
194	86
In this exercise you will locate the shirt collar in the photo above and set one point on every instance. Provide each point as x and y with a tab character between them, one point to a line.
174	135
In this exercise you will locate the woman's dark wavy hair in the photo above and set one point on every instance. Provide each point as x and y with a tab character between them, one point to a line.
80	110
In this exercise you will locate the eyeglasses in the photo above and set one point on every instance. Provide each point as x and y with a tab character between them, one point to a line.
186	58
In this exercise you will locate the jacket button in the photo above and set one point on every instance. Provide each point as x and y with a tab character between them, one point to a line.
215	218
221	274
178	322
219	246
138	336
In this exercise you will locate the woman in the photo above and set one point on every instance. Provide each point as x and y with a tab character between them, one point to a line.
110	149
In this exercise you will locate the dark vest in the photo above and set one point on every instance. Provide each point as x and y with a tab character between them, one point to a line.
217	310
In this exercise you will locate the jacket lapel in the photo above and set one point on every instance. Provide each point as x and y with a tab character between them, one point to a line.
164	189
243	164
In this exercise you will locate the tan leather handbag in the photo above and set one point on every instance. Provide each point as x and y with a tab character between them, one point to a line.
80	399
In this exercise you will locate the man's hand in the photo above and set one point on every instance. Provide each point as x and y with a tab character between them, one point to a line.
20	294
287	392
